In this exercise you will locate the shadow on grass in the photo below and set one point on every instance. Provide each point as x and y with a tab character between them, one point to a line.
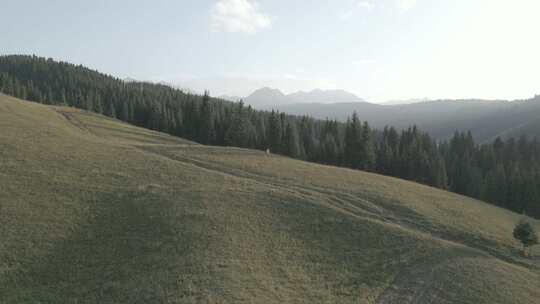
133	249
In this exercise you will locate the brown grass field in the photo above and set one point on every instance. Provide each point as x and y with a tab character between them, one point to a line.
93	210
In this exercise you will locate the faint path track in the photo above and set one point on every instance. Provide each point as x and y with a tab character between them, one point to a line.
72	119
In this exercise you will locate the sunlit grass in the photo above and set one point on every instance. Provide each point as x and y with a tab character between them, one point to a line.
96	211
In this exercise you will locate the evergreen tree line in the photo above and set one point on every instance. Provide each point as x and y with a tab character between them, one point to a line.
504	173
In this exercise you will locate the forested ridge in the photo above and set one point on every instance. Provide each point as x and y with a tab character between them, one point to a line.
506	173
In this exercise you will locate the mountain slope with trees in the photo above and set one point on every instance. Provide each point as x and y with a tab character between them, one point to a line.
94	210
506	173
486	119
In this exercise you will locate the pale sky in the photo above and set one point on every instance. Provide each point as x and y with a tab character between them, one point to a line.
378	49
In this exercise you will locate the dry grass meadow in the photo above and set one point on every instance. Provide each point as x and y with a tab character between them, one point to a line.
96	211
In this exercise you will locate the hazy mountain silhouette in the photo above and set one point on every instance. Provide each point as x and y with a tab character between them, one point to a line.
266	98
487	119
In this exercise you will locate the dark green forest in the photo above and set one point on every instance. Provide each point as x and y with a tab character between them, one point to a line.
505	173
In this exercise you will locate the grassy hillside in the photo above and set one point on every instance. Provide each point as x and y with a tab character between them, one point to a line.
96	211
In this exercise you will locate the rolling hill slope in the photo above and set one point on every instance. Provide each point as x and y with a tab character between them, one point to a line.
96	211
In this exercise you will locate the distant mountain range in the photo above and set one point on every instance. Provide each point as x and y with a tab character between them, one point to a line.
268	98
404	101
486	119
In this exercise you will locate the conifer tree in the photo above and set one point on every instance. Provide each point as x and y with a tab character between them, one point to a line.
124	112
525	233
241	132
206	127
353	143
274	132
367	147
111	111
291	139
